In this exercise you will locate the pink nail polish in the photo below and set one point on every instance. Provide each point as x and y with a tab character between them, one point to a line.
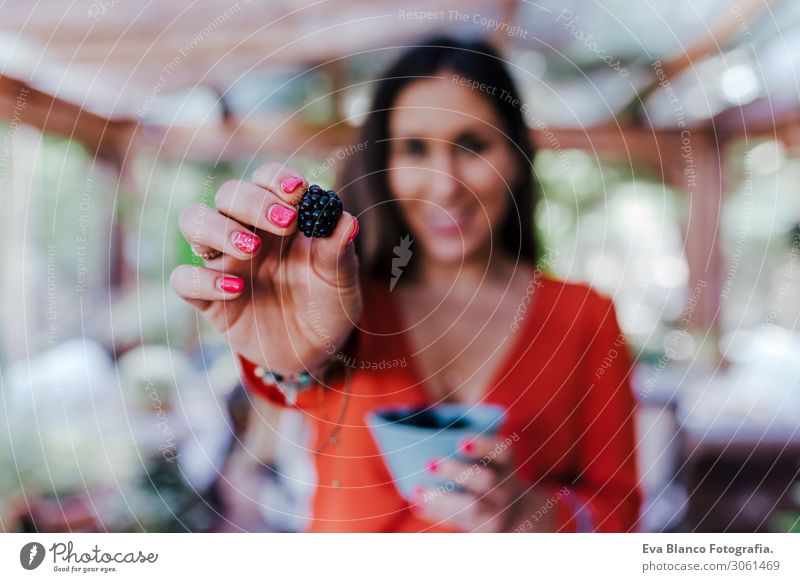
281	215
467	446
353	236
230	284
433	466
290	184
246	242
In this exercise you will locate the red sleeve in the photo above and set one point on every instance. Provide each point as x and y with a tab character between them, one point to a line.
606	495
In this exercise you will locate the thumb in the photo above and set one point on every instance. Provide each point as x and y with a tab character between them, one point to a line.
334	257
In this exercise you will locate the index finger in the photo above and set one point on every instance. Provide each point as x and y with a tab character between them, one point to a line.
487	449
282	180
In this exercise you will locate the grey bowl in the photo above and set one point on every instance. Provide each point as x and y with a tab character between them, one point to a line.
411	436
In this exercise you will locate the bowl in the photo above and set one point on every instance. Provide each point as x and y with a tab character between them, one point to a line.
409	437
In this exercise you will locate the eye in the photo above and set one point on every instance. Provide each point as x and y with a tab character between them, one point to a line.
473	144
413	147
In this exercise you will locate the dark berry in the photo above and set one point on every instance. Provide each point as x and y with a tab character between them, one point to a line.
319	212
425	418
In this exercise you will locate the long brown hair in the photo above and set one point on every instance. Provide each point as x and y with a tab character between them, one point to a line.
364	185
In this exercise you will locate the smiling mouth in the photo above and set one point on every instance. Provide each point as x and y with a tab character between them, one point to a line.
452	223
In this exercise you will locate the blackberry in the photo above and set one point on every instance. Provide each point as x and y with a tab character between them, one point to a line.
319	212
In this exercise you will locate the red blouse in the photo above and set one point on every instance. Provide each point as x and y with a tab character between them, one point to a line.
566	387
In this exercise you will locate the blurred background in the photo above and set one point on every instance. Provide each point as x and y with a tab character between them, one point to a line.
668	142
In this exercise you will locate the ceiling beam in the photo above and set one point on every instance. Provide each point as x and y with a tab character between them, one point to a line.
21	103
722	32
719	35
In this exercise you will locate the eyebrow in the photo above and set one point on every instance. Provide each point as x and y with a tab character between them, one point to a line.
479	130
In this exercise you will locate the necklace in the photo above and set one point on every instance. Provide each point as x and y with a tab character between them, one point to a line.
333	437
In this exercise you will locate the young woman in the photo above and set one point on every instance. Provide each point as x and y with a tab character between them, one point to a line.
439	300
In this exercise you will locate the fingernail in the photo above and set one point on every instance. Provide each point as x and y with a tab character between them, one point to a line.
230	284
419	492
281	215
467	446
290	184
433	466
245	242
353	236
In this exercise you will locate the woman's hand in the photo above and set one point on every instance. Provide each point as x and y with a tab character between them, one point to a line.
493	500
282	300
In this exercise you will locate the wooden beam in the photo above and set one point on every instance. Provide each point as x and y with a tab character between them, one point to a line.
236	139
719	35
614	142
20	103
759	121
508	10
697	169
279	135
355	26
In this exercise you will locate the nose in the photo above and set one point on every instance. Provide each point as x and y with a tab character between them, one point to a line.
443	182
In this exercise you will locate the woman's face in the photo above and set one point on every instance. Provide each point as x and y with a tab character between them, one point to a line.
450	168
